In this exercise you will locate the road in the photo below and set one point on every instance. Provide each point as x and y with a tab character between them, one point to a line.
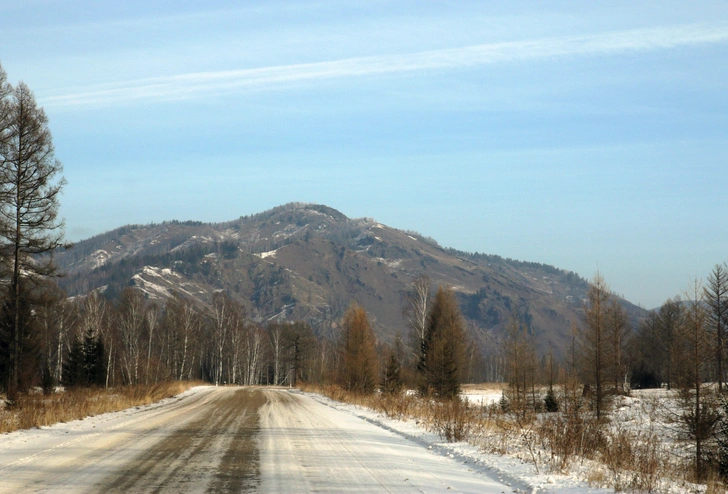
229	439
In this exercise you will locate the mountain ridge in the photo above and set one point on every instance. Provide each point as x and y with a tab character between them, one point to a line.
309	261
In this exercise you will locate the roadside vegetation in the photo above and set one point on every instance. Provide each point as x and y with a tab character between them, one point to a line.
36	409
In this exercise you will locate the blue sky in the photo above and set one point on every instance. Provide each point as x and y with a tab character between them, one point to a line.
580	134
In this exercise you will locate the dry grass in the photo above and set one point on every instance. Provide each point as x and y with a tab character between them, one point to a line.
37	409
453	420
472	388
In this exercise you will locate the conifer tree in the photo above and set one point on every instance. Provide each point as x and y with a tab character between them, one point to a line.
595	337
359	359
442	350
30	187
716	296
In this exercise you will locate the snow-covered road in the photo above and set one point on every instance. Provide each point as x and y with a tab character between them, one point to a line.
229	440
306	446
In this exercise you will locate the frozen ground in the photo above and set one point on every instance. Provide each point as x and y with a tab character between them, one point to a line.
254	439
516	474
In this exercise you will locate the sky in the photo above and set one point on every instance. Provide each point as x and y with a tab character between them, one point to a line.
585	135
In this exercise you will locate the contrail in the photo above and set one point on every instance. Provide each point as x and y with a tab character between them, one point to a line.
199	84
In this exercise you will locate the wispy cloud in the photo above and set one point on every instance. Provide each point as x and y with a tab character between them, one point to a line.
200	84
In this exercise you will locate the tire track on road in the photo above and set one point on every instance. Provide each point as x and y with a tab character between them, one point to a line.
214	453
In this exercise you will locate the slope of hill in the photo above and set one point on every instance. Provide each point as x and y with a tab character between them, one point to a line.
308	261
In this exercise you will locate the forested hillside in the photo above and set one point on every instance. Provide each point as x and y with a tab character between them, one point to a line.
308	262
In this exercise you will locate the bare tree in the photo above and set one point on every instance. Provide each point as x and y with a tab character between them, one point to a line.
131	325
29	224
617	330
152	319
699	420
520	355
221	323
182	325
669	322
716	296
417	306
254	353
275	333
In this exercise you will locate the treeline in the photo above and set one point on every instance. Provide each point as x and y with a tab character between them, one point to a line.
93	341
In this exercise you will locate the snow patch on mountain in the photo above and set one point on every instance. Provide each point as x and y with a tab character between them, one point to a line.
270	253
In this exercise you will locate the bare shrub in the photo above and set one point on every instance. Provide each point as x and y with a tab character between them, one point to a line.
566	436
453	420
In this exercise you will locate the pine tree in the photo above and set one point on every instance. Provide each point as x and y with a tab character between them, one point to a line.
392	382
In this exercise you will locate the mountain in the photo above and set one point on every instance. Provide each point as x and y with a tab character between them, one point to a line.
309	262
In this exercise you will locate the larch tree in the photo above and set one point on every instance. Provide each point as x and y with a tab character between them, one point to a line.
699	419
441	360
359	357
617	330
716	296
30	185
595	337
520	355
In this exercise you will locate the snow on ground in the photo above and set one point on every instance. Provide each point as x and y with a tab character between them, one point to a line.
482	397
390	263
47	454
648	410
518	474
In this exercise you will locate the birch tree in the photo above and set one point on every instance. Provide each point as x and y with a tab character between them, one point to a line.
131	326
221	318
417	306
